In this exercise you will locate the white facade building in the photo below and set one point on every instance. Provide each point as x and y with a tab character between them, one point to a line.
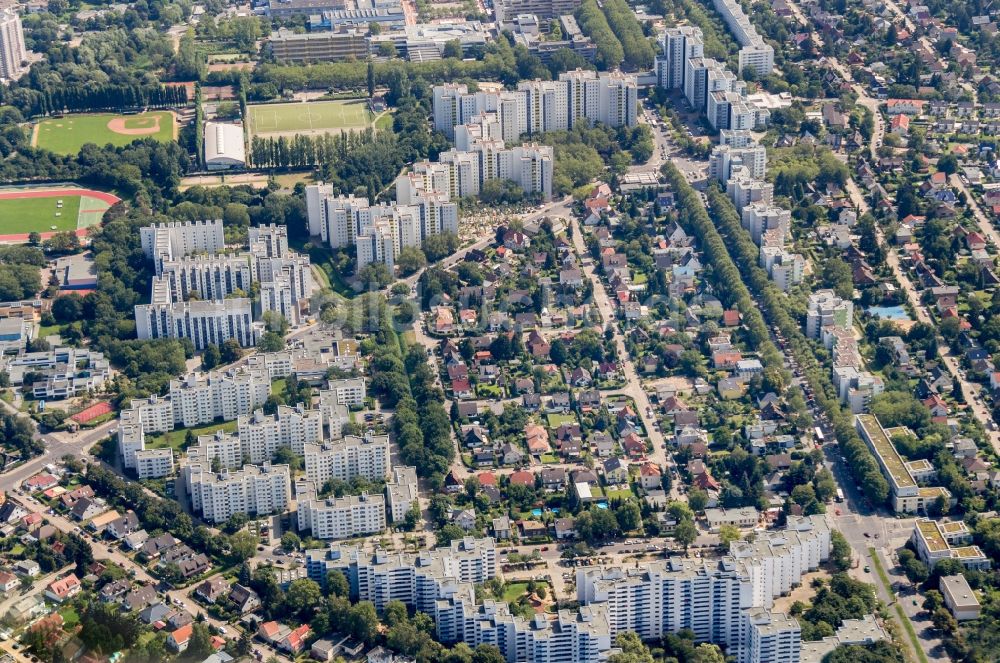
13	55
224	146
154	463
679	44
203	322
348	458
262	435
342	517
253	490
172	241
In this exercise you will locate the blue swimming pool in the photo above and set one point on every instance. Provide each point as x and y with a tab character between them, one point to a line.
889	312
537	513
602	505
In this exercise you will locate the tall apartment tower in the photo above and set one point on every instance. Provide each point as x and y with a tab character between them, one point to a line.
679	44
13	55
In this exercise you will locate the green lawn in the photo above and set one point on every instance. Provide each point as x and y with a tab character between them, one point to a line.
49	330
557	420
619	493
515	590
313	116
175	438
67	134
278	386
550	458
70	618
25	215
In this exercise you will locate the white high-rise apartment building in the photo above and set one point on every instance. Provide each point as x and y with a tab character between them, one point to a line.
261	435
268	241
454	105
154	463
546	105
278	296
775	561
348	391
536	106
13	55
759	218
348	458
417	580
756	54
207	276
250	491
152	414
785	268
201	398
461	169
827	309
606	97
203	322
131	438
379	232
702	76
679	45
225	447
441	582
172	241
773	638
744	189
720	601
664	597
401	492
342	517
727	159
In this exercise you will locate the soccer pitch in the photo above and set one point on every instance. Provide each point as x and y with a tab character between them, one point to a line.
25	215
313	117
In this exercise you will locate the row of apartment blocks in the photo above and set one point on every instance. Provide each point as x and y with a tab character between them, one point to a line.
830	319
904	478
441	583
201	295
725	601
708	85
235	394
357	515
379	232
252	490
62	372
538	106
755	53
740	164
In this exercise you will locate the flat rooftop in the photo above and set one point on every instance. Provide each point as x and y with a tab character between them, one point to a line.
929	531
887	453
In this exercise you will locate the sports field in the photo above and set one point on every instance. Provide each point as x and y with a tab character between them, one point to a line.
47	211
67	134
313	117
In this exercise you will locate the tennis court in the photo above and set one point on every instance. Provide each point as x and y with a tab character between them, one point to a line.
312	117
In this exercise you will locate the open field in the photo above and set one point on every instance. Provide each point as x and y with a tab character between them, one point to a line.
67	134
314	117
175	438
38	214
47	211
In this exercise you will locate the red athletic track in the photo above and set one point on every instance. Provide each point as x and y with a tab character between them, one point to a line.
110	199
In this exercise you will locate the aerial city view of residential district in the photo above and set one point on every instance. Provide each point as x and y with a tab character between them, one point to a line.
499	331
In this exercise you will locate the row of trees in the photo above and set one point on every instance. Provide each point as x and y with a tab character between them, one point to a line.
638	52
106	98
421	425
733	281
594	24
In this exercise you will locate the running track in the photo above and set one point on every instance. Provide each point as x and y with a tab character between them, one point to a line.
108	198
